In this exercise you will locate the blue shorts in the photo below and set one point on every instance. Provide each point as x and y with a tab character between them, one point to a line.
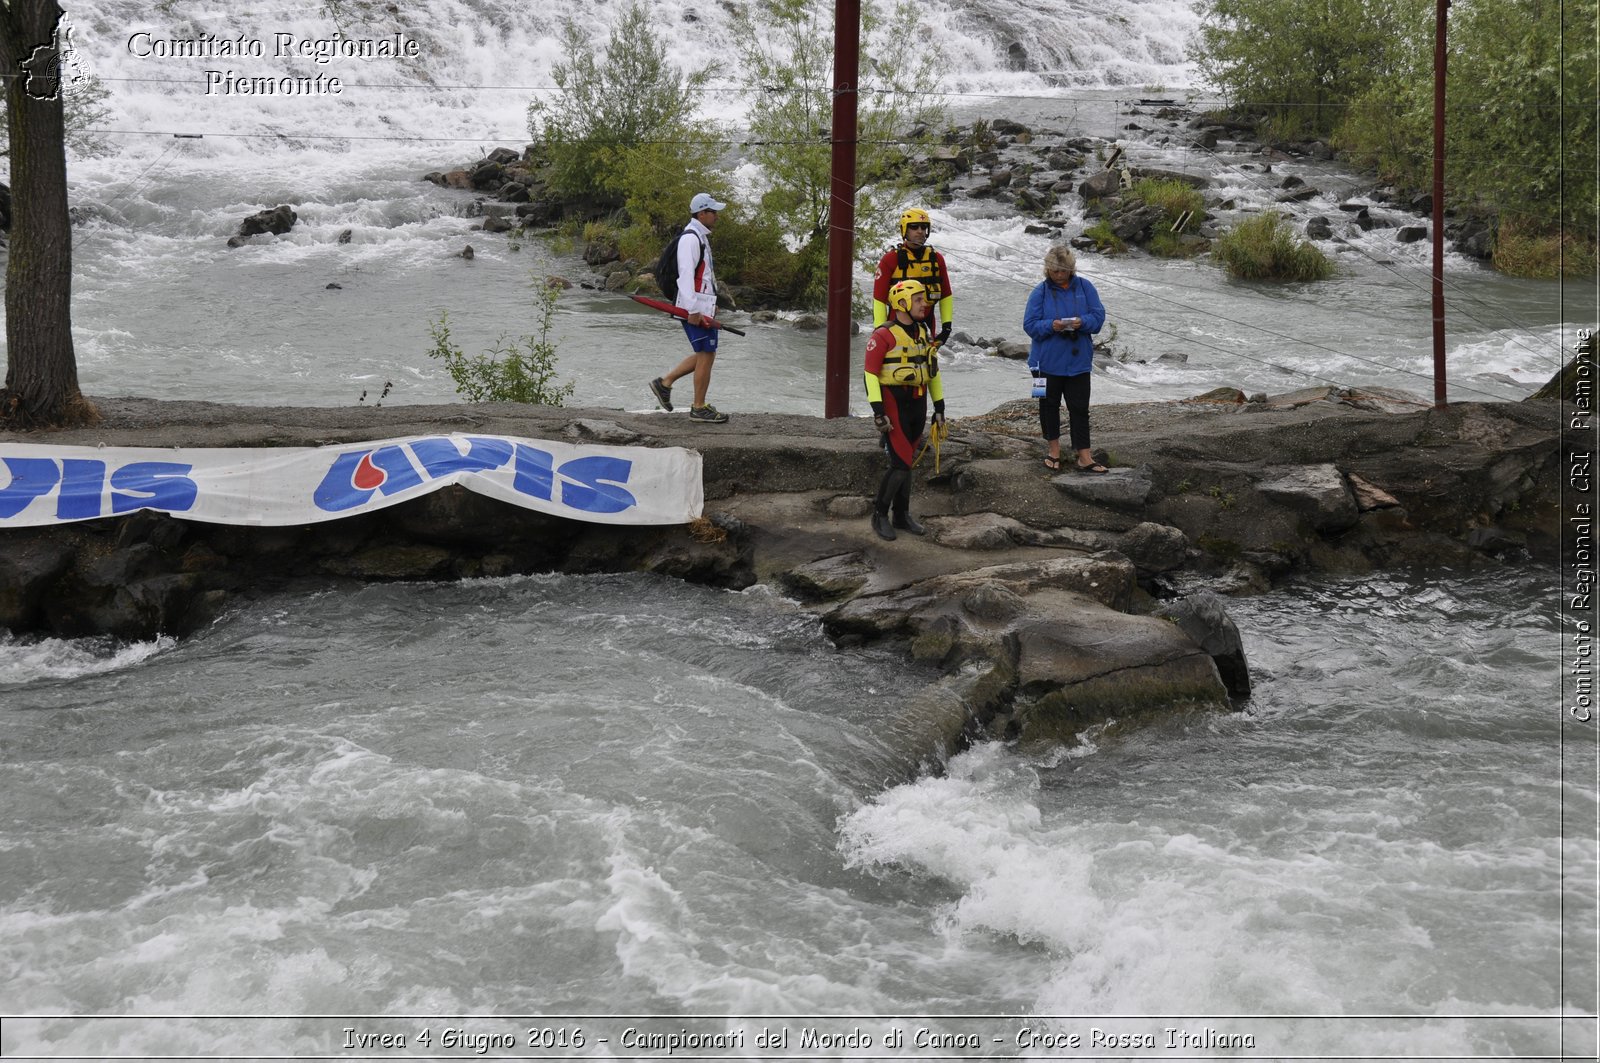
701	339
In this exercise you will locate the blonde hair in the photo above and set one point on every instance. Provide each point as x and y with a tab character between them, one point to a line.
1060	257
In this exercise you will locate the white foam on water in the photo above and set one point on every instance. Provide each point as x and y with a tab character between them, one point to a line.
1342	912
28	660
482	61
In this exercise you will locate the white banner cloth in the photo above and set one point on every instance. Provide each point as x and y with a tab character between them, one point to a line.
41	484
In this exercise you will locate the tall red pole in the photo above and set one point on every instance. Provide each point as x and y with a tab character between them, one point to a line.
1439	401
842	205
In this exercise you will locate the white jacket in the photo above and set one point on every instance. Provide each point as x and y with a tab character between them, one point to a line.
698	295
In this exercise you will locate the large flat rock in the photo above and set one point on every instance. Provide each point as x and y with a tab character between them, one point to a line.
1032	590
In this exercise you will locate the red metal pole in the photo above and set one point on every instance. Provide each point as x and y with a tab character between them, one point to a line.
1439	401
842	205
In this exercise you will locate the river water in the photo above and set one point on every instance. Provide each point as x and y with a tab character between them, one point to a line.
627	796
619	803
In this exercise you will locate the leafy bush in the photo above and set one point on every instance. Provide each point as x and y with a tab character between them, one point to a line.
519	371
752	255
1105	238
1521	121
1168	244
1384	130
1265	248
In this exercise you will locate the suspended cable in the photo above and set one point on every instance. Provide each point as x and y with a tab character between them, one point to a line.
1386	265
1115	283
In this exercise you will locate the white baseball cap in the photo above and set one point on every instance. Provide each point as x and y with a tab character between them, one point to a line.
703	201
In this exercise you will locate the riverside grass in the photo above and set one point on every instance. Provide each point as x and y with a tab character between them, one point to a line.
1265	248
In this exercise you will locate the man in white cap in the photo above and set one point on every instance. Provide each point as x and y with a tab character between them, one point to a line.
697	293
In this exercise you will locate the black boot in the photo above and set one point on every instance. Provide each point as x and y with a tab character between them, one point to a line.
881	525
902	508
880	506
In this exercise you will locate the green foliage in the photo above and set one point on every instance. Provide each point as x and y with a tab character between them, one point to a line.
1515	125
1300	62
1389	130
754	256
983	137
1106	241
1173	197
619	113
1168	244
519	371
1265	248
786	47
1520	121
656	183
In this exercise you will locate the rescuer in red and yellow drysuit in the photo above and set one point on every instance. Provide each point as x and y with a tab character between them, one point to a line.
901	373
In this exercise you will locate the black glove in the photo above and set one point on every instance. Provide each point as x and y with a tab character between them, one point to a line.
938	418
881	423
944	335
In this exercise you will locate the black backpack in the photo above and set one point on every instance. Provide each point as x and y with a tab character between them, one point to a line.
667	264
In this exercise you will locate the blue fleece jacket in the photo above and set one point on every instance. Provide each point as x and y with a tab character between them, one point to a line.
1054	352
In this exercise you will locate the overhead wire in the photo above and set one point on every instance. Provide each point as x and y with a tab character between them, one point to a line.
1215	315
747	141
1388	265
856	233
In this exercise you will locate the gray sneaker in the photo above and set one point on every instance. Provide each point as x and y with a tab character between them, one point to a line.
662	393
707	414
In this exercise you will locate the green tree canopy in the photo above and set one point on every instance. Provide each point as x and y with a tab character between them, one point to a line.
786	48
614	102
1301	62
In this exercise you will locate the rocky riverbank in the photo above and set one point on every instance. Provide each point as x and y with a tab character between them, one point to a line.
1049	601
1038	171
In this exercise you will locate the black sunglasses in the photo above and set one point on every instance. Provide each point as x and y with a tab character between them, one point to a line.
924	226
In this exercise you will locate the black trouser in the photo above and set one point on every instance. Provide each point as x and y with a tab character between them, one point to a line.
1075	390
907	410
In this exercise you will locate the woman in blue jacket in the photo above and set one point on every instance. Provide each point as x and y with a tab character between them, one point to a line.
1063	313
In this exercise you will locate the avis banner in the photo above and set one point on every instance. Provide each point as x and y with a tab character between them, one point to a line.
42	485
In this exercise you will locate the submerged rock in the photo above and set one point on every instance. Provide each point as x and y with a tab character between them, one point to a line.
276	220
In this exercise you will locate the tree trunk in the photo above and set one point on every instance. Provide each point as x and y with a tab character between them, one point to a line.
42	370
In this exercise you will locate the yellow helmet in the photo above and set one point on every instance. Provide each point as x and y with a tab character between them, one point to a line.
900	295
914	216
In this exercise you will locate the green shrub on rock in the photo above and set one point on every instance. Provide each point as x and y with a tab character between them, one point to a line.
1265	248
1106	240
1174	199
